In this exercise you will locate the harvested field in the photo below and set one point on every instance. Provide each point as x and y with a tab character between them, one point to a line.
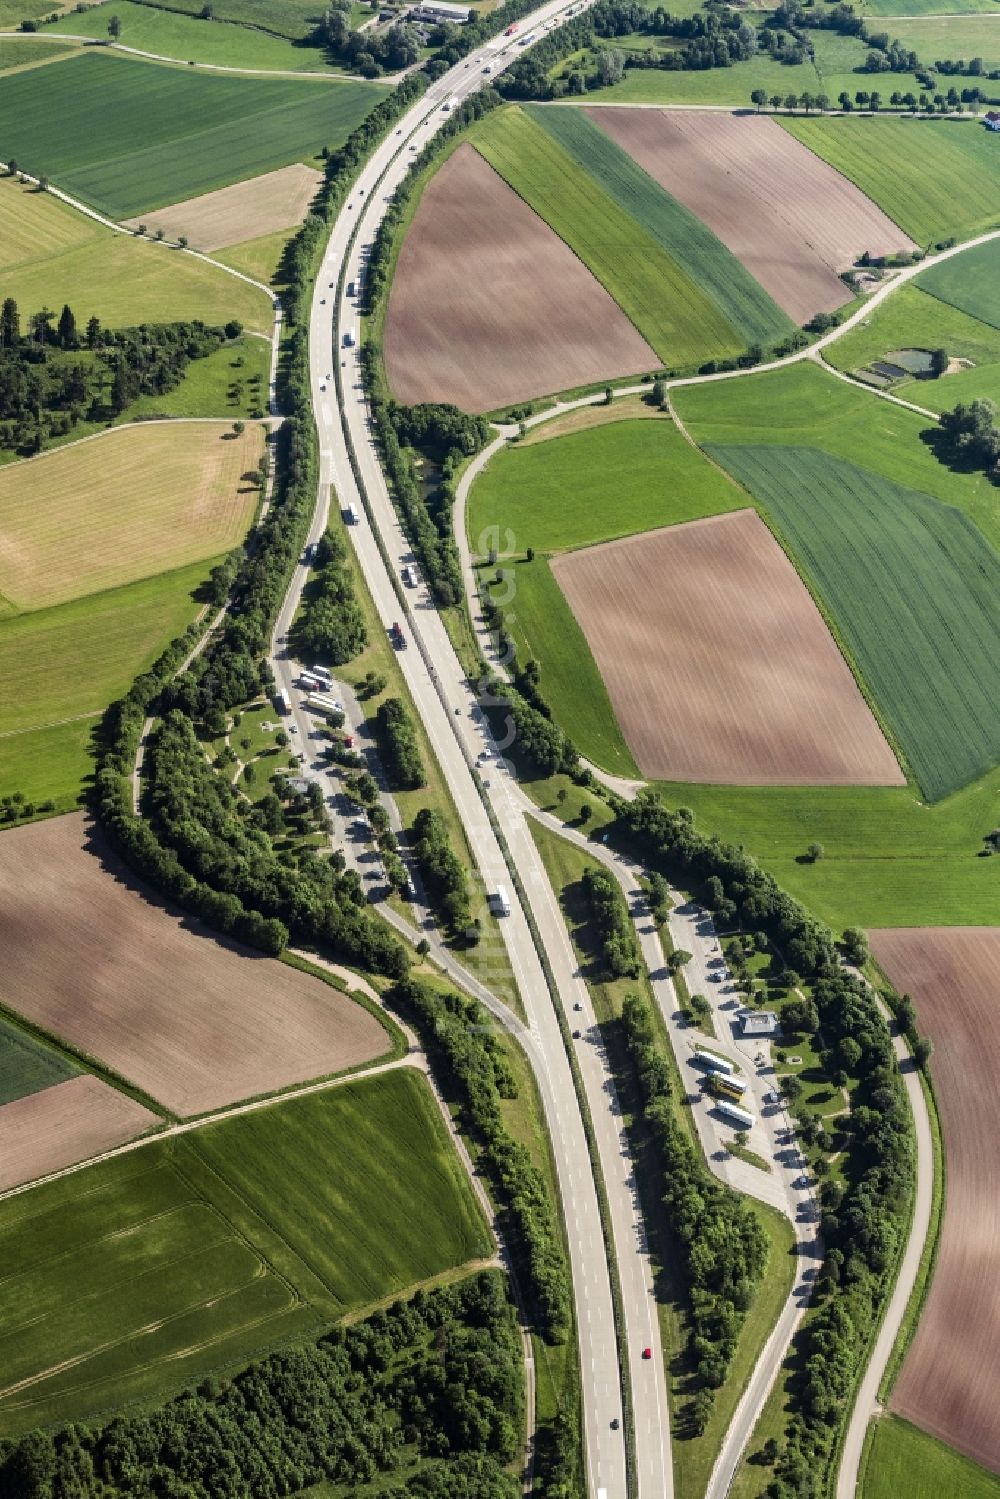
488	306
790	218
265	204
65	1124
951	1373
131	503
726	672
194	1021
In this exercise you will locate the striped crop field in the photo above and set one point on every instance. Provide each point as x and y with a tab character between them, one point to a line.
674	315
935	178
700	254
128	136
910	585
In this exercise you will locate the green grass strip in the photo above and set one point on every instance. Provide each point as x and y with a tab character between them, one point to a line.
710	265
911	586
669	310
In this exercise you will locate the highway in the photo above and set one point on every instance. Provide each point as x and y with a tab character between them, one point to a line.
454	727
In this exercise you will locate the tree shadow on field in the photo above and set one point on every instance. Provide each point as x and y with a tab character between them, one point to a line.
97	845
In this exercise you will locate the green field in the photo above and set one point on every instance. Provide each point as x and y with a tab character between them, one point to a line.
711	266
913	319
594	485
189	38
128	136
903	1460
27	1066
928	8
290	18
544	627
952	36
970	282
911	587
259	257
676	318
935	178
74	659
13	12
209	386
804	406
51	254
142	1273
19	52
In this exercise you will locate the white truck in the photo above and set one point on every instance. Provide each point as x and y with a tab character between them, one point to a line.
713	1063
350	337
350	515
282	701
742	1118
500	902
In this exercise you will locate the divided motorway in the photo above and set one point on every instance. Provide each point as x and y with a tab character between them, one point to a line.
442	697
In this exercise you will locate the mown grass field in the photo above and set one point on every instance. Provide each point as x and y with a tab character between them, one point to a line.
27	1066
128	136
970	282
128	504
703	257
953	36
123	1282
187	38
259	257
218	385
676	318
50	254
911	586
594	485
544	628
290	18
935	178
927	7
903	1460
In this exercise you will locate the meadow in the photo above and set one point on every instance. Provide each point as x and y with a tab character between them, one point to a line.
259	257
186	37
911	587
230	382
110	129
295	19
145	1272
903	1460
693	246
804	406
953	36
545	629
597	484
970	282
27	1065
51	254
676	318
18	52
131	503
935	178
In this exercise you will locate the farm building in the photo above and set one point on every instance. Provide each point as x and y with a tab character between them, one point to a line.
440	10
759	1023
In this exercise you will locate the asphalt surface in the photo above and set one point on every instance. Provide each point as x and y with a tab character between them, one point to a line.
438	689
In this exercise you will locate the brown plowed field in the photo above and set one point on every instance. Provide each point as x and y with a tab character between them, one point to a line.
194	1021
489	306
790	218
951	1375
262	205
718	664
65	1124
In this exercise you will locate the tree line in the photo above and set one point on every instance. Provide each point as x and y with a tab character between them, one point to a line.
458	1033
443	871
331	625
438	1377
398	747
52	376
613	924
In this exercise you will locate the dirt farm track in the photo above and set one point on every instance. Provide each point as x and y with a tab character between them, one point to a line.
752	689
194	1021
949	1381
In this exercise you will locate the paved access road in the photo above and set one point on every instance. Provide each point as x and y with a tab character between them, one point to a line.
444	702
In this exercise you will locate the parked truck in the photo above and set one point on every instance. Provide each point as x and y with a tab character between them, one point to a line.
742	1118
282	701
713	1063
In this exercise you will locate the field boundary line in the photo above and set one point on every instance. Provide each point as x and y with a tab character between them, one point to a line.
34	728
